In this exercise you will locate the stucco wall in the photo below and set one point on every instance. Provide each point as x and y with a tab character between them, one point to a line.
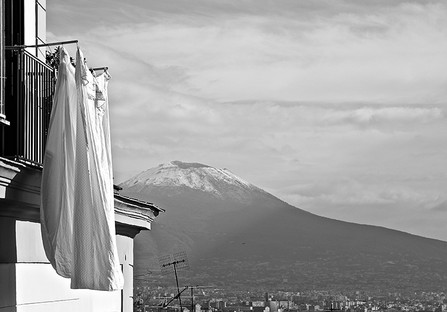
31	284
125	249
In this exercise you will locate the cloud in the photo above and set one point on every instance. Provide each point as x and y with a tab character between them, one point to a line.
350	191
387	204
338	107
441	207
395	117
389	55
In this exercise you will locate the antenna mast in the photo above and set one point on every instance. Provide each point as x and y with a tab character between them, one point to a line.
171	263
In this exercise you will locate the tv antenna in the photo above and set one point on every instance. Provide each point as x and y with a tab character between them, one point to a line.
172	263
192	293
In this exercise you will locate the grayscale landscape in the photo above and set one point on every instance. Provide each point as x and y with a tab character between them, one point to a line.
239	236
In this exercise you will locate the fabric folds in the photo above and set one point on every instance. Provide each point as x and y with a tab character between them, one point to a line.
77	208
57	186
95	257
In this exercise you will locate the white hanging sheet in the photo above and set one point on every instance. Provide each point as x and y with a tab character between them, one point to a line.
95	257
77	203
57	186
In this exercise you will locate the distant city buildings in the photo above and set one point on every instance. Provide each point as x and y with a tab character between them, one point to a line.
313	301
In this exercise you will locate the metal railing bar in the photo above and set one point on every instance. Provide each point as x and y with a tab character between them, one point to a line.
34	92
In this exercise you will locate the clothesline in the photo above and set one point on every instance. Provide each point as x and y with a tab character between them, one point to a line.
17	47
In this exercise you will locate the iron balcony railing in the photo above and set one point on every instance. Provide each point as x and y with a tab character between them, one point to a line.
34	96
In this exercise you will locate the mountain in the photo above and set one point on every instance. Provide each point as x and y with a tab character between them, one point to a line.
237	235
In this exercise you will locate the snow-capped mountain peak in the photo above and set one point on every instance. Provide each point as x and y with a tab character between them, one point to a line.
218	182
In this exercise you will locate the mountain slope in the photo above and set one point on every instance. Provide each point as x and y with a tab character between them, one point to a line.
238	235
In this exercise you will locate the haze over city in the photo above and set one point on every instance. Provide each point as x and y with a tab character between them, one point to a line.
336	107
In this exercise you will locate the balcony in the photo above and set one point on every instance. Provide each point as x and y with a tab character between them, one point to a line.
29	90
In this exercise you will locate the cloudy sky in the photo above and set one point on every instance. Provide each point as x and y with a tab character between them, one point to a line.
337	107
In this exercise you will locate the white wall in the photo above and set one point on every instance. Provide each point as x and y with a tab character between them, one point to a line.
29	243
40	289
125	249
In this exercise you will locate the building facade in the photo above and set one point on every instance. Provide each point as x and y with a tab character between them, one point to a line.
27	280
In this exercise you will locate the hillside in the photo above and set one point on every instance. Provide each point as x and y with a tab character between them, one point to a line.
237	235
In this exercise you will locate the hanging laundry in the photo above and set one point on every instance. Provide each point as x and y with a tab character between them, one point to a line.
57	186
95	257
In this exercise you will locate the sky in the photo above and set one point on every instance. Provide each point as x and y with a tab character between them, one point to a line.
336	107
